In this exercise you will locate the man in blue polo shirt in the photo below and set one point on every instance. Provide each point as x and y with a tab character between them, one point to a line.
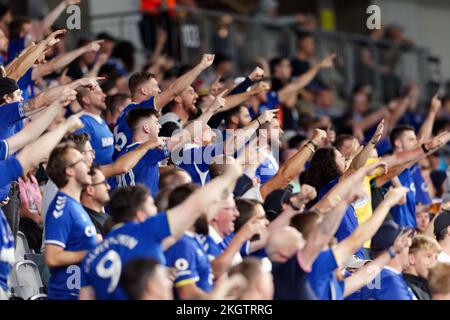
69	232
145	93
390	284
92	100
136	232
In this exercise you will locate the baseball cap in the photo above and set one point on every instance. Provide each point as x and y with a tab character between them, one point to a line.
385	236
355	262
441	222
7	86
275	200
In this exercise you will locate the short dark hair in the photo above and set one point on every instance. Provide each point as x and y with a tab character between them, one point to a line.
221	58
137	114
275	62
181	193
113	102
78	139
81	93
138	79
304	35
246	208
58	162
15	27
397	132
340	139
135	276
126	201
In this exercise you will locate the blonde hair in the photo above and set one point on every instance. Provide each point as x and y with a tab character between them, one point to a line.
421	242
439	279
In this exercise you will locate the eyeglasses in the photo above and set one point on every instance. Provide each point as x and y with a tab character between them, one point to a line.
100	183
75	163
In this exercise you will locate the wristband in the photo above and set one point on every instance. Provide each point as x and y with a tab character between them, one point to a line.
259	122
313	144
424	148
392	253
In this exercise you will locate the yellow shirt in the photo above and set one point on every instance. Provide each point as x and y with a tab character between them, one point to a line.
363	206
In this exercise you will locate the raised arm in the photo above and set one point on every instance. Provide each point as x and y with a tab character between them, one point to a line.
295	86
129	160
361	158
426	129
183	216
240	137
33	154
291	168
180	84
36	127
365	232
64	60
22	64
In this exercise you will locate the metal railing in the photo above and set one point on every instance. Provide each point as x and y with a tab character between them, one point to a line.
382	64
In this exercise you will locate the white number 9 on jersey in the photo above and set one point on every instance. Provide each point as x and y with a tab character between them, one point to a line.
113	271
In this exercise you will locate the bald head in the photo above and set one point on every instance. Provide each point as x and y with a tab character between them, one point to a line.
283	243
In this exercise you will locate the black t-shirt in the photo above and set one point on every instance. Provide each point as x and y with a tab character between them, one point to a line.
98	219
291	281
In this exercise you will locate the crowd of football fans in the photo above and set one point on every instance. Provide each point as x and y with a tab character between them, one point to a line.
190	182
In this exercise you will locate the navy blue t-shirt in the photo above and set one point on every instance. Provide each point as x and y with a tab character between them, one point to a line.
291	281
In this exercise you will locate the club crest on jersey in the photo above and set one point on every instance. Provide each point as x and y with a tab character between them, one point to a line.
59	206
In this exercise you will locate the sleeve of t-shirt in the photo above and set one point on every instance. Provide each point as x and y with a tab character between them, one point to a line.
154	156
12	112
10	170
393	289
86	128
157	228
26	80
57	226
4	149
243	184
325	262
149	103
184	261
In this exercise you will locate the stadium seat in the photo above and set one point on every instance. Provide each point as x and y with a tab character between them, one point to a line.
26	282
22	247
38	259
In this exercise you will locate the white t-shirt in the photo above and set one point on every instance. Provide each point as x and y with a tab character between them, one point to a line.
443	257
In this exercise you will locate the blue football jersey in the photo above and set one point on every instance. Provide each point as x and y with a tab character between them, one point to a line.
68	226
195	160
146	171
102	139
191	263
322	279
405	214
422	195
10	114
349	222
102	266
267	169
122	133
389	285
